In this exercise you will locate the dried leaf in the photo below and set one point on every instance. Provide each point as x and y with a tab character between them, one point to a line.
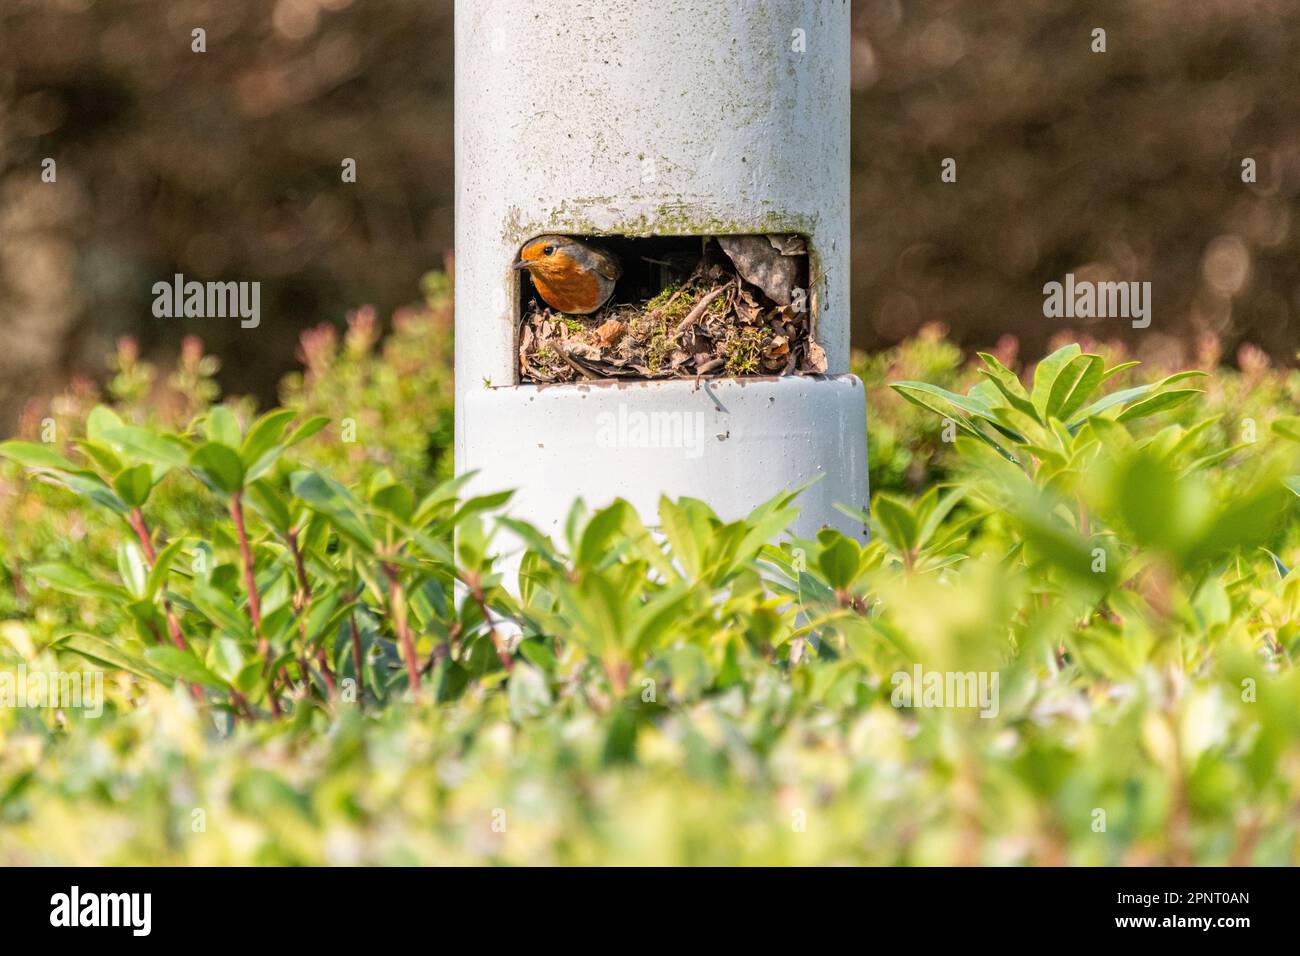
815	360
760	262
779	347
789	245
610	331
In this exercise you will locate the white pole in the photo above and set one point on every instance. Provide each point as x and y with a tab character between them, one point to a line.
641	118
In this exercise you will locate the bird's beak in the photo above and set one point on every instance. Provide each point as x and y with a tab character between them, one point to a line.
521	264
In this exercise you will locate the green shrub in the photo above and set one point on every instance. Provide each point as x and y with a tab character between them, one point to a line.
312	655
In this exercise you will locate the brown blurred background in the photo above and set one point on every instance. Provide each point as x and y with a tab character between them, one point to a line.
225	165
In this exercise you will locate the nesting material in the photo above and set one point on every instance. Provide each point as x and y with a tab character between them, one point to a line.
741	310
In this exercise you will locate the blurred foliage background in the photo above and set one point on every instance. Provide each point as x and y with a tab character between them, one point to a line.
1123	165
222	165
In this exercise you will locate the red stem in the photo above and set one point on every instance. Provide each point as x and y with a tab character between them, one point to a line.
141	529
254	602
323	660
397	599
250	581
476	592
356	657
304	586
301	601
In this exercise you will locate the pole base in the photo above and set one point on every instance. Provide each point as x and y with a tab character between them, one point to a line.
733	443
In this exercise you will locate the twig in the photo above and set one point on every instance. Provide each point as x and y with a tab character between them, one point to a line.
563	353
694	315
695	274
707	367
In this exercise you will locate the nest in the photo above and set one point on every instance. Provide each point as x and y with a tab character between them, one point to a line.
717	321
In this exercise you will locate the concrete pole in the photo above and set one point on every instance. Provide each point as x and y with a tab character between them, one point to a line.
645	118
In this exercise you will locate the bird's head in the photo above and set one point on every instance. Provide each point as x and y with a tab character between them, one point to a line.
549	256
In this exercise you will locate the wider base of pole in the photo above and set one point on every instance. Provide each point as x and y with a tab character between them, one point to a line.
731	443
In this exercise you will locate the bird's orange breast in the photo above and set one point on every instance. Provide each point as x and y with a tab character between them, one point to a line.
570	289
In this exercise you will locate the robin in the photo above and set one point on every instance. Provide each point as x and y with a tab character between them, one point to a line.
574	277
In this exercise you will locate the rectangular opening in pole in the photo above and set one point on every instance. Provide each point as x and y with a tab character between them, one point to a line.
601	308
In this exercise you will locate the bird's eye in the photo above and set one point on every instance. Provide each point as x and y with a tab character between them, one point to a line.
548	250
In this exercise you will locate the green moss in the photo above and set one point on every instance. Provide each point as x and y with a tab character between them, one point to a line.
659	301
745	346
659	350
669	218
671	311
547	359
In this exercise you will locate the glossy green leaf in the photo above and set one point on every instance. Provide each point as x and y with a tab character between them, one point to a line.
336	503
222	427
144	445
133	569
1073	384
1047	374
183	665
35	455
839	561
162	567
219	467
99	651
1158	403
134	484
